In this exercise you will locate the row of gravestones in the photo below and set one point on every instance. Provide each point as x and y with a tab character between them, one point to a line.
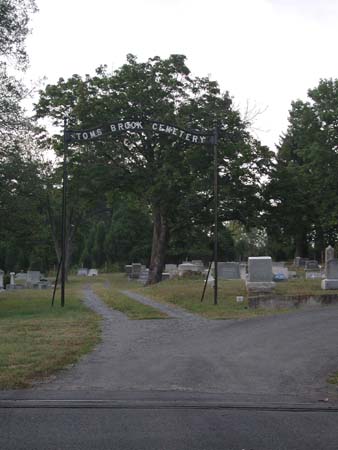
84	272
260	272
226	270
29	279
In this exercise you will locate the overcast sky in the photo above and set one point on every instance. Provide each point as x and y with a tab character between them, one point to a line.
266	53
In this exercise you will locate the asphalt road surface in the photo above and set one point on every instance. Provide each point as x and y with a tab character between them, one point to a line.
188	383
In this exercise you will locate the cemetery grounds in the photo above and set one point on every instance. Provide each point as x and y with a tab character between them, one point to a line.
37	340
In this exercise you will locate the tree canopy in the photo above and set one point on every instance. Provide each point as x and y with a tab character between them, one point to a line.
303	216
171	176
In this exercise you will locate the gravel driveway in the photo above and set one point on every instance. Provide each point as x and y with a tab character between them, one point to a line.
278	358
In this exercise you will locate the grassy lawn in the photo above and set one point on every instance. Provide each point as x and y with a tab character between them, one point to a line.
187	293
107	287
37	340
302	287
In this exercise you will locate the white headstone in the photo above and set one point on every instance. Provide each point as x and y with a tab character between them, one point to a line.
33	277
82	272
187	267
93	272
331	273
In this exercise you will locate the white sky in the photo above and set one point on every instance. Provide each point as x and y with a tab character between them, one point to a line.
264	52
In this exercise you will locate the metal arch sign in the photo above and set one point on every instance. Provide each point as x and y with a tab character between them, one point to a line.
136	126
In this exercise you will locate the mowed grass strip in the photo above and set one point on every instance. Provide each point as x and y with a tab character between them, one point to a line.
108	289
187	292
37	340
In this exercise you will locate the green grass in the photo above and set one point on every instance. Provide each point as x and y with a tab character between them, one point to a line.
333	378
37	340
302	287
107	287
186	293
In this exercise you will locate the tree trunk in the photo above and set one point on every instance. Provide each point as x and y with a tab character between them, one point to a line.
159	247
301	245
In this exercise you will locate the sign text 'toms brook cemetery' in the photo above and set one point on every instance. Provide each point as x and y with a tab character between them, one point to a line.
124	126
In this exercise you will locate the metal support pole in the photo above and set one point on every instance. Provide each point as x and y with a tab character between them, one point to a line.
64	214
56	280
206	282
216	216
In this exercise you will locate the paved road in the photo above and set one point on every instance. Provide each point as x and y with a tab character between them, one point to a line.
166	429
187	383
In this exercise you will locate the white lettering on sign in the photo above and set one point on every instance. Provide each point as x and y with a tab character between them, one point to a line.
136	126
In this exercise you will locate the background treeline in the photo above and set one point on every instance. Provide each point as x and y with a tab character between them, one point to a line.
149	198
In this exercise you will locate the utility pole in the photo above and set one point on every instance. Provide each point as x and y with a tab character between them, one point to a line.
215	139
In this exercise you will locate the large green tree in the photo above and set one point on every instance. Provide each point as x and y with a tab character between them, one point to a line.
303	216
22	231
173	177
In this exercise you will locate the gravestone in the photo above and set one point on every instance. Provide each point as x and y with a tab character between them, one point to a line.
331	274
309	275
143	277
260	274
300	262
329	253
331	270
171	269
33	278
198	263
243	270
187	267
229	270
259	269
128	269
21	276
93	273
82	272
311	264
135	270
1	280
278	264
